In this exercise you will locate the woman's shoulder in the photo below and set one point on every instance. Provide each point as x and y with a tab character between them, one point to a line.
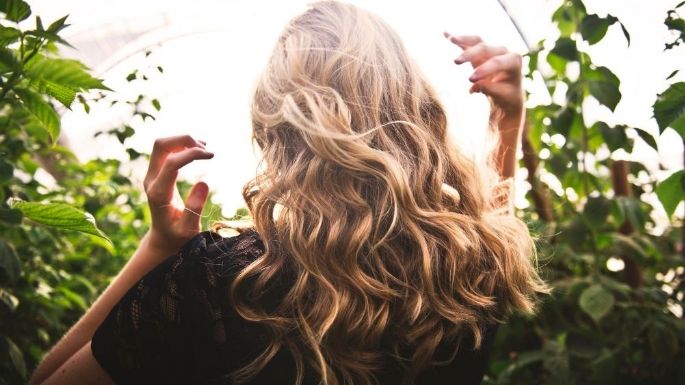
223	255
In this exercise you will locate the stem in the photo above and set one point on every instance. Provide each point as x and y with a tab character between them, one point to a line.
538	192
619	182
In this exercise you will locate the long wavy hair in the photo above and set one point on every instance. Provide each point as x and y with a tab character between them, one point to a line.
388	237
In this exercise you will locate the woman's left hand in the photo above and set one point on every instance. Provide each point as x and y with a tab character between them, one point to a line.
497	74
173	222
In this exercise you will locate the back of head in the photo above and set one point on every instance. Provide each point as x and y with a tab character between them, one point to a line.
384	230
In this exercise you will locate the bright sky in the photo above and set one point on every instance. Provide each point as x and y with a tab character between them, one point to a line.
212	52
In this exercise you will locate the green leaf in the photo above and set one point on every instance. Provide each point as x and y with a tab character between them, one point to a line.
604	86
626	34
8	35
9	350
647	137
663	342
593	28
43	112
596	211
11	302
10	266
58	25
61	78
669	108
672	74
8	60
10	216
6	171
596	302
15	10
671	191
627	246
614	137
49	36
155	103
565	48
59	215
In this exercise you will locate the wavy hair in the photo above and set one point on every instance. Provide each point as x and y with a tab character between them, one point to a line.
388	237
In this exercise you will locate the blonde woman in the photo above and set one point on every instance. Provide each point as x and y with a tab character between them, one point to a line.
378	254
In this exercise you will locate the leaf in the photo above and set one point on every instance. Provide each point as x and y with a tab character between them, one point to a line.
156	105
596	211
672	74
627	246
596	302
49	36
58	25
10	301
10	266
11	216
8	349
565	48
669	108
671	191
647	137
43	112
604	86
6	171
593	28
62	78
9	60
614	137
626	34
15	10
662	342
59	215
8	35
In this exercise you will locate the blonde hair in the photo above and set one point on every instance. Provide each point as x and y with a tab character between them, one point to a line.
384	230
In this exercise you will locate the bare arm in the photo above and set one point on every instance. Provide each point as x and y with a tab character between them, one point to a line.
71	361
503	156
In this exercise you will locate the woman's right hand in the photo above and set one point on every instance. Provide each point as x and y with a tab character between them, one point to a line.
497	74
173	222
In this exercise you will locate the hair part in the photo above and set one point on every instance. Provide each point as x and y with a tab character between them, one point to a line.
387	233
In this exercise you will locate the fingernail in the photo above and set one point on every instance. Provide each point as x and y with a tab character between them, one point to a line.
446	34
474	78
459	60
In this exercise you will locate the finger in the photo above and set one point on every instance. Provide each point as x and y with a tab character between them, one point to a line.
193	207
479	53
163	147
491	89
509	63
463	41
162	188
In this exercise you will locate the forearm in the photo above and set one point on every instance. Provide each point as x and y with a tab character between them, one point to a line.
508	129
147	256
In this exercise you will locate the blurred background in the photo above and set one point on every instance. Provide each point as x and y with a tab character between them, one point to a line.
213	51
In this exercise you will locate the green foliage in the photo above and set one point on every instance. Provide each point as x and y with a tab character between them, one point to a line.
54	259
58	215
618	281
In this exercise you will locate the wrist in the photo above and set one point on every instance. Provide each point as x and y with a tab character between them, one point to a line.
507	124
159	246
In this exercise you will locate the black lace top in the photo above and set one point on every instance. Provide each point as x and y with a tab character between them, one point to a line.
177	326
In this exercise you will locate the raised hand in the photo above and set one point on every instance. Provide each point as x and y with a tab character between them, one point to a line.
173	222
497	74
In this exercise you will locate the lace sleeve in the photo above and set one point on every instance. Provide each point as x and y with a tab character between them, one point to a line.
160	329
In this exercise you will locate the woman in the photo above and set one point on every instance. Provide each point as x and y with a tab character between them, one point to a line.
378	255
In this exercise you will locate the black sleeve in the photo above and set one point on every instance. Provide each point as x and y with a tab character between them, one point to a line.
150	336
